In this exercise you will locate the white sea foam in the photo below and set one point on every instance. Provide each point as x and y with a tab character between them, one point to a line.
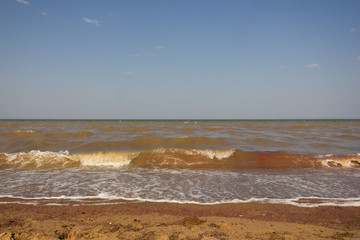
38	158
103	198
218	154
345	160
24	131
22	203
110	159
208	153
346	163
317	187
57	204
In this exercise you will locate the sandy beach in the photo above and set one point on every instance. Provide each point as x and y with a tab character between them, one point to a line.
145	220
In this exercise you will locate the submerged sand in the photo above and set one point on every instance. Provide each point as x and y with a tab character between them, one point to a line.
134	220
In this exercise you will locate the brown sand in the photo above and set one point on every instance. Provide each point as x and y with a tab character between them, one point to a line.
170	221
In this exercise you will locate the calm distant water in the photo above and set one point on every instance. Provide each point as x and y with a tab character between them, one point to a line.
297	162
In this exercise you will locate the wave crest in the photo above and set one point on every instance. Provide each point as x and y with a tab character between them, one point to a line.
230	159
107	159
346	160
38	159
211	154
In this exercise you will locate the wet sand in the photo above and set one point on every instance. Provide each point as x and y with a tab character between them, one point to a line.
134	220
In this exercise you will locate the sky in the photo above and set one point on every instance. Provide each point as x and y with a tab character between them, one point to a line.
179	59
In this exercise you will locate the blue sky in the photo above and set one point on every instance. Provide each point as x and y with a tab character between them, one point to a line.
179	59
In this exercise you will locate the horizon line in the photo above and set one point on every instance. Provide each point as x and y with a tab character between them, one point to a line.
179	119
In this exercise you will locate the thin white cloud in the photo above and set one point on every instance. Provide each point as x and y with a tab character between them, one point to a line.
23	2
313	65
159	47
352	29
91	21
146	54
44	13
359	58
128	73
282	67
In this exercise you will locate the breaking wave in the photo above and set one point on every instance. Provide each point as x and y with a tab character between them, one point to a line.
230	159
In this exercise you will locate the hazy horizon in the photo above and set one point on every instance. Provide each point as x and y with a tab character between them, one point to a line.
181	119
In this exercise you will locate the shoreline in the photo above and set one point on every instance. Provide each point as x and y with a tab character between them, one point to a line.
149	220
